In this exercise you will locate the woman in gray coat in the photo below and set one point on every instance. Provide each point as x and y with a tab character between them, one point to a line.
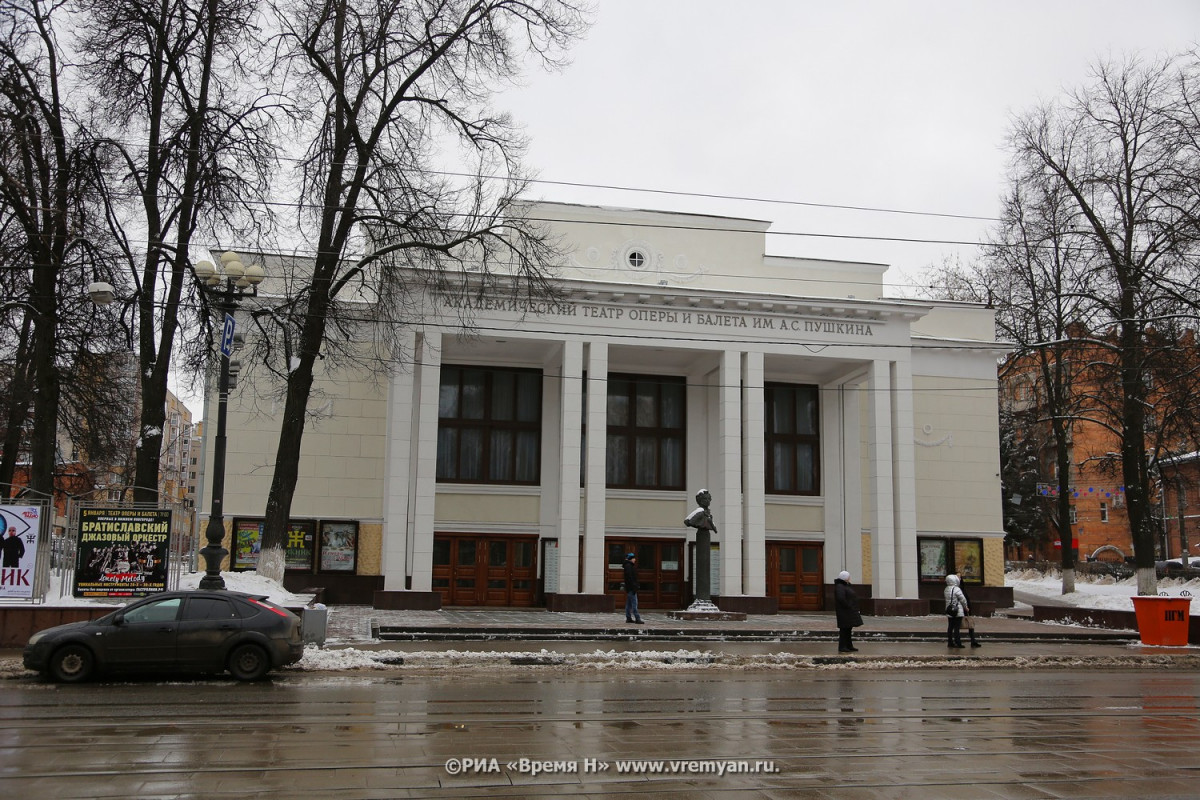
956	609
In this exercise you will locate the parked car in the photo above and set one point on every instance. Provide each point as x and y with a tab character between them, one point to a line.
1176	568
181	632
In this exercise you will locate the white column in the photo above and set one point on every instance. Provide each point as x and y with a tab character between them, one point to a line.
595	476
570	422
849	440
754	497
905	481
397	489
727	494
429	358
880	477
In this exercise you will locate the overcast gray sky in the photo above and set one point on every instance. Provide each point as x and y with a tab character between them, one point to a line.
899	104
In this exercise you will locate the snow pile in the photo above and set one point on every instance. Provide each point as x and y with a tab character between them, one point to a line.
250	583
325	660
1100	592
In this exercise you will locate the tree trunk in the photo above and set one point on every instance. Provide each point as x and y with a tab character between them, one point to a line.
291	433
44	441
1181	507
19	402
1066	535
287	470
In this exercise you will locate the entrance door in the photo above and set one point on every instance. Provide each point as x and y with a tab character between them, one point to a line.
660	571
795	574
475	570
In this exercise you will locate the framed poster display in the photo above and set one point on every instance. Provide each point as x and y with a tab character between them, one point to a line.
932	554
339	547
20	527
301	546
247	542
968	560
122	552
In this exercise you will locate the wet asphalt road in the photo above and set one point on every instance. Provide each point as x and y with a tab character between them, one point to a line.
921	733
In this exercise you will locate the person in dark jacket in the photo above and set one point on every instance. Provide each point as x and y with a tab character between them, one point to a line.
631	590
11	544
845	603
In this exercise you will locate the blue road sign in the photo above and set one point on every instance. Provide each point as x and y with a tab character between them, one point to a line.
227	336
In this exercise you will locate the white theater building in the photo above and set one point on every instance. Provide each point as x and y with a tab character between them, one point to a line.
834	427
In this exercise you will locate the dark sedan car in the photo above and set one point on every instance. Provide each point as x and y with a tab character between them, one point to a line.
188	631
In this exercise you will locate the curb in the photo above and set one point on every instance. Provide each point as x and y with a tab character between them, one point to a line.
392	633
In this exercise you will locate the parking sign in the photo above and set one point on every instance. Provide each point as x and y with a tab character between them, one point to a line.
227	336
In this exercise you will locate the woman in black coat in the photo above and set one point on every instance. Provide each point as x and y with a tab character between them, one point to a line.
845	603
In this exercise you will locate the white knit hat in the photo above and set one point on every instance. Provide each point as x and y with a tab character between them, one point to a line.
843	575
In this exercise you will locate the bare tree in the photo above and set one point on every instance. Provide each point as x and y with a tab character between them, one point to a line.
399	88
1115	150
190	149
1035	272
48	226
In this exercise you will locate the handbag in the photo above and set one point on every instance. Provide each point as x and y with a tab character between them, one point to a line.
952	610
969	621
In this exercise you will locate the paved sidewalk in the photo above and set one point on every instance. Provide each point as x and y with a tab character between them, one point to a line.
351	624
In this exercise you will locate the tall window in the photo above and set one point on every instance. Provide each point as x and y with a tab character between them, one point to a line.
489	425
646	429
793	444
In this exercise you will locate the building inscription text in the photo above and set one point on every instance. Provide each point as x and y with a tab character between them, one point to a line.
659	316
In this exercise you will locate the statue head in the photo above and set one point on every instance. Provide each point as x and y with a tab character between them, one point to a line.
703	498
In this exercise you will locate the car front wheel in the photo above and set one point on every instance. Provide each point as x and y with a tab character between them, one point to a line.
248	662
72	664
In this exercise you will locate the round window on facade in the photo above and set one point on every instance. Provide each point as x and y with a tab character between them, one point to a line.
636	258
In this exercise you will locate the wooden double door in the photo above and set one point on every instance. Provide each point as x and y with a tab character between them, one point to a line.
660	571
795	575
477	570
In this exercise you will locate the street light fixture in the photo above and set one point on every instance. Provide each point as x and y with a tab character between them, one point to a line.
226	286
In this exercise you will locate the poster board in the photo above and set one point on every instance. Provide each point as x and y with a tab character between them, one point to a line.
18	549
339	547
122	552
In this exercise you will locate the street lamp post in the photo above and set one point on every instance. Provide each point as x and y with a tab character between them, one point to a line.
226	286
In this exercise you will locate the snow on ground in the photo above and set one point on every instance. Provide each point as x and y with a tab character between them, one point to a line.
248	582
1104	592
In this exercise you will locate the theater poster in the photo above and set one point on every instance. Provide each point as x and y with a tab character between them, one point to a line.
339	546
247	542
122	552
18	549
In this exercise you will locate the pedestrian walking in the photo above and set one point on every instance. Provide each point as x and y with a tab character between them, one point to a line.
956	609
631	590
969	620
845	604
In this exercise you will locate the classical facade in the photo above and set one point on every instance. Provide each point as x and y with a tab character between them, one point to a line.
835	428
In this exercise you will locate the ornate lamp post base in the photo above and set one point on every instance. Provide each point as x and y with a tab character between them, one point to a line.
213	554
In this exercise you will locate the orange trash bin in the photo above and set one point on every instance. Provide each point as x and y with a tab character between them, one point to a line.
1162	620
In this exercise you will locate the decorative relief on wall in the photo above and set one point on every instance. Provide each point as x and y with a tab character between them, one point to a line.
927	429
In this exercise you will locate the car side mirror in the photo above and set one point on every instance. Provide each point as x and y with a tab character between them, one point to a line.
119	619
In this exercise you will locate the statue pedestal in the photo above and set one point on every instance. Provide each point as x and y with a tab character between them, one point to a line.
704	609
